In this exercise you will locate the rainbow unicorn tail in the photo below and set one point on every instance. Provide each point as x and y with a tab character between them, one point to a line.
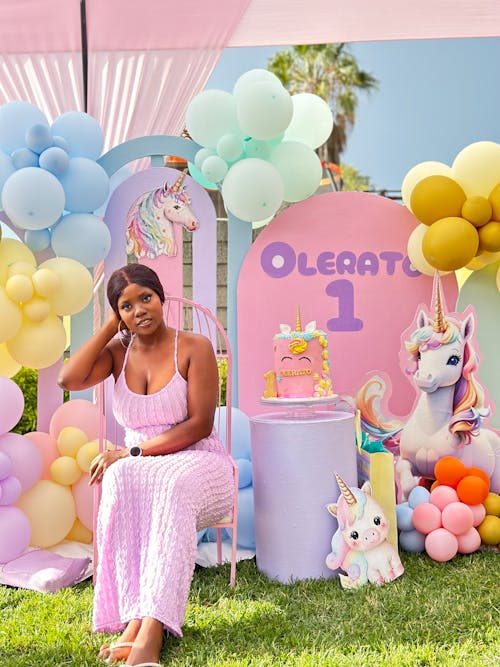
368	402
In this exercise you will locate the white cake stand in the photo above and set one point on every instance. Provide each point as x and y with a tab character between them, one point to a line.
300	408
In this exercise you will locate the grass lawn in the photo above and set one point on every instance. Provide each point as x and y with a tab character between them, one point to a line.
435	614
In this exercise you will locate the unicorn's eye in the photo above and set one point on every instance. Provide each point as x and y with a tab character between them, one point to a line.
454	360
377	521
354	535
419	356
177	207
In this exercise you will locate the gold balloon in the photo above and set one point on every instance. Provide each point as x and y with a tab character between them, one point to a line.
86	454
10	317
50	509
75	290
477	167
477	210
65	470
38	345
12	250
436	197
79	533
418	173
489	237
450	243
19	288
70	440
8	367
494	200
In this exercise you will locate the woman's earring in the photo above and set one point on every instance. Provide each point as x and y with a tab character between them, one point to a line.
123	334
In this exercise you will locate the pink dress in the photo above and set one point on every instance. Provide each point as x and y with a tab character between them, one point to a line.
150	510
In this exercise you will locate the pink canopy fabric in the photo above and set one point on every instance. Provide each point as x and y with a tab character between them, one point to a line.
148	58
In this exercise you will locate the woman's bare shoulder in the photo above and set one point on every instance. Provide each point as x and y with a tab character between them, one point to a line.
194	342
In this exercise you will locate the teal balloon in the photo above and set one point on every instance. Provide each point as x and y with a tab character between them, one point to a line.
264	110
312	120
258	148
86	185
480	291
253	189
83	237
299	167
24	157
253	76
210	115
199	178
230	147
82	133
15	119
214	168
37	239
202	155
33	198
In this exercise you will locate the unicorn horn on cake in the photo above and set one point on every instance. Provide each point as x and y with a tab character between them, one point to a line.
440	324
298	323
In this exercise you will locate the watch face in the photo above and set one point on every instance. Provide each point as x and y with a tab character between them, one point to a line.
135	451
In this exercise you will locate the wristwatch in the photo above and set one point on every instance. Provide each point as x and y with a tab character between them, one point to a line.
135	450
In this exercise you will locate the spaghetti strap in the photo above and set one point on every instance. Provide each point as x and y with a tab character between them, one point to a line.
175	350
125	358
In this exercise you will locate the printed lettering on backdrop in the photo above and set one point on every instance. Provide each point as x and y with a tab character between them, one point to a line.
342	258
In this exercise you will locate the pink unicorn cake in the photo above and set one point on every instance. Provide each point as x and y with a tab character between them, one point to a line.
301	365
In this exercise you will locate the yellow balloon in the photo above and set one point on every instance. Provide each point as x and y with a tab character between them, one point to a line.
498	280
488	257
450	243
75	290
477	210
19	288
477	168
415	254
36	309
419	172
436	197
79	533
489	529
462	275
70	440
10	317
8	367
46	282
494	200
65	470
86	454
38	345
492	504
12	250
475	265
25	268
489	237
50	509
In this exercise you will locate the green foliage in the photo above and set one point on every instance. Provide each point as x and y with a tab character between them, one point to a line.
222	366
435	615
353	180
27	381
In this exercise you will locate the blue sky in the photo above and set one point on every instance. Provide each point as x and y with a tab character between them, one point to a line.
435	97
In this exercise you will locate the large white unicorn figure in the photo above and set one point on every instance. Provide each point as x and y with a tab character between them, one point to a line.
448	419
150	220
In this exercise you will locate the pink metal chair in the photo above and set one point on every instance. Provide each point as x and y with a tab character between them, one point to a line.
185	315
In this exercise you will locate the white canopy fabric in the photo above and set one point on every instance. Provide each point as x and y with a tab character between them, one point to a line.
148	58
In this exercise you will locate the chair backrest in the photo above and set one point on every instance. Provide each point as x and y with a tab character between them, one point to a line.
185	315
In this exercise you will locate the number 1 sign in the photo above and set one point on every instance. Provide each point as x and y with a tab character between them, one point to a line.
342	258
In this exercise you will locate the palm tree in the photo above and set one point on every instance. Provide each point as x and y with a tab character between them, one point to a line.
330	71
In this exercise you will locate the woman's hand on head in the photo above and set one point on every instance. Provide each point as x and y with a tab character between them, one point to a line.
102	461
112	319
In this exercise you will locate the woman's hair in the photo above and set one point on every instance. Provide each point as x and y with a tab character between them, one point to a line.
137	274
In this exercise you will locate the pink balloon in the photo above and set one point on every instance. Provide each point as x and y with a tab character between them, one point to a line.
25	457
11	490
457	518
79	413
426	518
47	446
12	404
441	545
84	501
5	466
14	524
478	513
469	541
442	496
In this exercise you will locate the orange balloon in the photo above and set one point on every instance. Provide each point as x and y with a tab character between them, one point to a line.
434	485
449	470
479	473
472	490
489	236
450	244
436	197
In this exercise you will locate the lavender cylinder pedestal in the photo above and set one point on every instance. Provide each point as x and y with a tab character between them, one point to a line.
294	458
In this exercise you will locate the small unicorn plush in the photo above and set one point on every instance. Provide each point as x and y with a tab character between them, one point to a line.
360	546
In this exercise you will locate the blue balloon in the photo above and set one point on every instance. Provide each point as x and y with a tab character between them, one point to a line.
38	137
244	473
37	239
115	180
246	522
412	540
24	157
15	119
33	198
417	496
60	142
86	185
240	432
83	237
6	168
82	132
55	160
404	514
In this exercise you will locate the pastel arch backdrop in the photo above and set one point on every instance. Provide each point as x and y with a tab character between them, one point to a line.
342	258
